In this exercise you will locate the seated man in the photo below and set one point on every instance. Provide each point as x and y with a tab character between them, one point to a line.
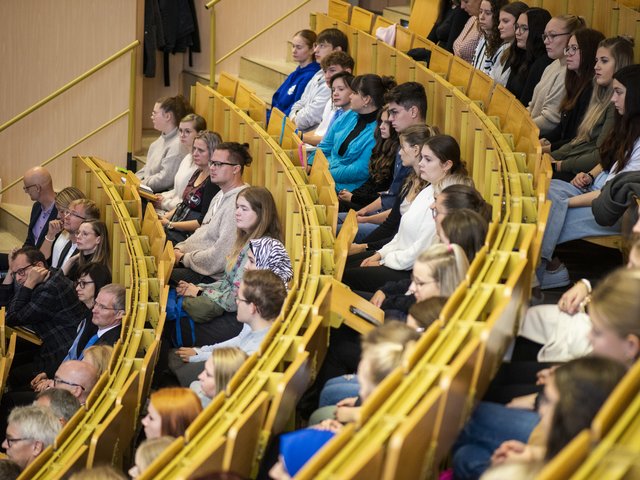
77	377
260	299
30	430
62	403
203	256
39	186
46	302
306	113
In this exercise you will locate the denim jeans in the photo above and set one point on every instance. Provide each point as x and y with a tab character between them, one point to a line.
339	388
566	223
364	229
489	426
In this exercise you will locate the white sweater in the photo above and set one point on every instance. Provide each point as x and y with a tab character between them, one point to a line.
307	112
547	97
163	160
207	249
171	198
416	233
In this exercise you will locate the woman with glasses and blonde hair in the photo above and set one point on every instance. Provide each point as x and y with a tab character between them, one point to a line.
187	216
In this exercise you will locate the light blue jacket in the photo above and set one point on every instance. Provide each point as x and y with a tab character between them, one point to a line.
350	170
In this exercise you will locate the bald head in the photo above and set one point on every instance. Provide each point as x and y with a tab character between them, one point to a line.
77	377
39	185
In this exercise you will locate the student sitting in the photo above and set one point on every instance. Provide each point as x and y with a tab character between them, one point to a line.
508	19
217	371
291	89
170	412
92	243
465	45
306	113
491	46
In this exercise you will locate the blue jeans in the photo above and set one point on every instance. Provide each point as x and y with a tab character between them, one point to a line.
339	388
566	223
489	426
364	229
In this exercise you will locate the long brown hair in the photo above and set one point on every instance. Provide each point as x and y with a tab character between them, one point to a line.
384	152
101	255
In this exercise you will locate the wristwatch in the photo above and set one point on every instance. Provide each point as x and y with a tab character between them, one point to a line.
170	225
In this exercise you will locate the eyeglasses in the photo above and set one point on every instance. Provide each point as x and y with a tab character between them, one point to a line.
27	187
11	441
521	28
571	50
82	283
420	283
73	214
100	306
57	380
21	271
219	164
552	36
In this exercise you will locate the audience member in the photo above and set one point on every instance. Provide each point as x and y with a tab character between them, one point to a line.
62	403
440	156
580	55
103	472
348	143
190	125
30	430
303	54
58	238
99	356
39	186
465	45
334	63
582	153
147	452
259	302
571	217
307	112
550	90
92	243
296	449
188	215
47	303
9	470
170	412
204	254
491	46
217	371
256	218
528	60
466	228
450	22
165	154
423	314
77	377
380	167
508	19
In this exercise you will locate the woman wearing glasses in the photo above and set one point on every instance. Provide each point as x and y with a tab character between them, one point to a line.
187	216
550	90
580	58
92	243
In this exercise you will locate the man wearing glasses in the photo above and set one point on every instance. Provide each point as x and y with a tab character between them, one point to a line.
47	303
39	186
77	377
29	432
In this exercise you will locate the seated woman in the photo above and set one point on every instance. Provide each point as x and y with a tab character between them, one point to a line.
580	56
450	22
217	371
349	141
440	157
549	92
99	356
437	272
57	237
491	45
422	314
165	154
528	59
170	412
92	242
291	89
190	125
256	218
188	215
615	335
571	217
371	236
508	19
583	152
383	157
466	228
465	44
147	452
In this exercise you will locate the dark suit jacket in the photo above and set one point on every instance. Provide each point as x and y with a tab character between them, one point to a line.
36	210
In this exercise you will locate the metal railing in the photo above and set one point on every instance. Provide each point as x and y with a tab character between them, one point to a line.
212	59
130	111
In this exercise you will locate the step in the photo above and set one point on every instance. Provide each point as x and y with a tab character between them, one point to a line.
398	13
270	73
14	221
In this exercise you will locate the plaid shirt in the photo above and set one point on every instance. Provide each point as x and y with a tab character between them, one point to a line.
52	310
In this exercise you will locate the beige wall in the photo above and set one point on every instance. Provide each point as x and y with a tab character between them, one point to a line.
45	44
